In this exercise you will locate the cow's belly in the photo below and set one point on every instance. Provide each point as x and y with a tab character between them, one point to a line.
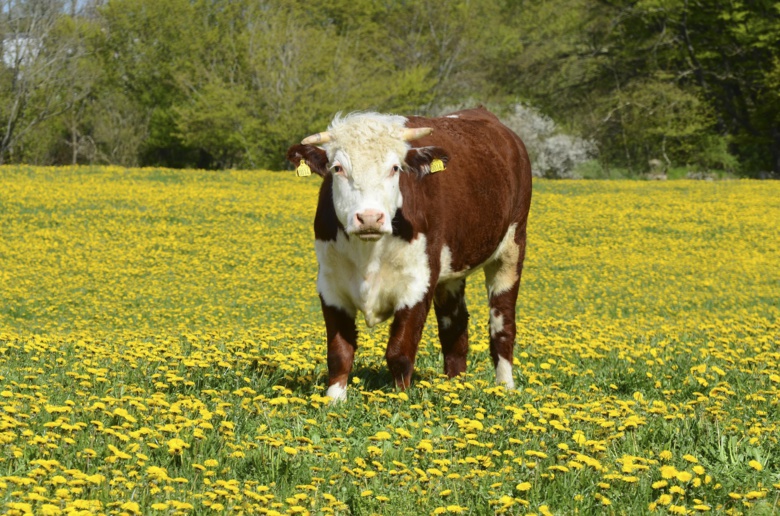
376	278
504	252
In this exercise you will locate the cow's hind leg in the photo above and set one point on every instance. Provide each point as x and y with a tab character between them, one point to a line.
502	279
449	303
342	343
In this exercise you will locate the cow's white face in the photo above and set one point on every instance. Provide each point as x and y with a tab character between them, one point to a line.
365	159
365	154
366	194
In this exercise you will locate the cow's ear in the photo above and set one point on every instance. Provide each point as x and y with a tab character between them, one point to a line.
307	159
426	160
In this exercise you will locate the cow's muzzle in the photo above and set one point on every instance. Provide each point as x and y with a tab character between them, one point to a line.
369	225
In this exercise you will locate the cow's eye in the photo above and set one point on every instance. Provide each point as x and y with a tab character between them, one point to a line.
338	169
396	169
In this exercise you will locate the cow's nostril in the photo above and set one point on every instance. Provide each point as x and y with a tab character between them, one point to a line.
370	218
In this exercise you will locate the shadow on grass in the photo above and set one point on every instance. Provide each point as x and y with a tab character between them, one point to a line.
370	377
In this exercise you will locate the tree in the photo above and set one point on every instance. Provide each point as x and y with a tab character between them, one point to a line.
733	49
678	78
146	46
232	83
37	57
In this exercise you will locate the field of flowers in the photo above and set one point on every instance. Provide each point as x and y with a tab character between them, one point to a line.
162	352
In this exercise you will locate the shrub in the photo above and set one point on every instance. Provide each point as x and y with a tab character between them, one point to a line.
553	153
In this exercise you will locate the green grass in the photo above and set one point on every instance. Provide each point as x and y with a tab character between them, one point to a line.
144	307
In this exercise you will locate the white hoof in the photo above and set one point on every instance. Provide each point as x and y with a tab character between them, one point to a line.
337	393
504	374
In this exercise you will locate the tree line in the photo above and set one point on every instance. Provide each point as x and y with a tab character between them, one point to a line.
231	83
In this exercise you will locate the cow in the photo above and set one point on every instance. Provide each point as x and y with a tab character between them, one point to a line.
408	208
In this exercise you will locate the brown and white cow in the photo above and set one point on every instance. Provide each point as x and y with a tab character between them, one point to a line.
392	237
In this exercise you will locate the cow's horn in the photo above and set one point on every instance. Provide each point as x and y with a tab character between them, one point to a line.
317	139
410	134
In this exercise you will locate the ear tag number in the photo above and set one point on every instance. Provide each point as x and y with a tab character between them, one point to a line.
303	169
437	165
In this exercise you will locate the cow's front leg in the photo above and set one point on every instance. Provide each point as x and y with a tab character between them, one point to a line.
342	343
452	315
405	333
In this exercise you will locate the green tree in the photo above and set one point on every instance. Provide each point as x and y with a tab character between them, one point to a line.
147	45
38	71
672	78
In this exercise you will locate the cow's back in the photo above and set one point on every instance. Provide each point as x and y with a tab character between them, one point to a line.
485	188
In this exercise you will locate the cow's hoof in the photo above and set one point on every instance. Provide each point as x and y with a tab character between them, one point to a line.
337	393
510	386
504	374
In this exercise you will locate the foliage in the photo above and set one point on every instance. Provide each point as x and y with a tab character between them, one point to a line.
655	79
232	83
162	352
41	77
553	154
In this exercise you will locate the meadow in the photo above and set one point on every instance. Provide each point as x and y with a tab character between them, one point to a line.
162	352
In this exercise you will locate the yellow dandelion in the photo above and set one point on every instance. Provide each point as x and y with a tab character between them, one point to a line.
157	473
684	476
131	507
48	509
403	432
176	446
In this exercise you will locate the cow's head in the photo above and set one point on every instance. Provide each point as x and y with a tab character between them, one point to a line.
366	153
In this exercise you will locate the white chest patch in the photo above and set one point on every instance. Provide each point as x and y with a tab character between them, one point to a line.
376	278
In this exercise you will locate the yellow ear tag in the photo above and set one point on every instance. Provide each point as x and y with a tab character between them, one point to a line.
437	165
303	169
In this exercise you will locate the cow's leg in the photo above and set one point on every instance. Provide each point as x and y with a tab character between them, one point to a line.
405	333
342	343
449	301
502	279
